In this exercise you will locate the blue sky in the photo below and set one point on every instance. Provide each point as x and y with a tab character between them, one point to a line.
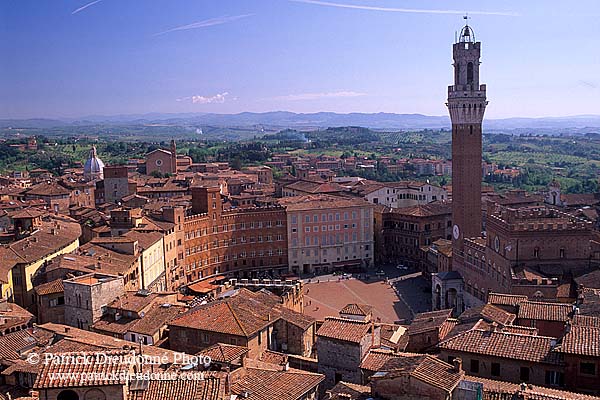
74	58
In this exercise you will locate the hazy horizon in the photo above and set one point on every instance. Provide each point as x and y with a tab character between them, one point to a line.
150	113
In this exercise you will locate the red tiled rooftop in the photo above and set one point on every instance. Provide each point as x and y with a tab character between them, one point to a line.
544	311
500	390
210	388
281	385
582	340
52	375
222	352
242	314
488	312
505	299
55	286
424	367
357	309
504	345
347	330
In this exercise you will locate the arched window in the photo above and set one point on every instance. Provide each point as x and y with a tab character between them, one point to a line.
469	73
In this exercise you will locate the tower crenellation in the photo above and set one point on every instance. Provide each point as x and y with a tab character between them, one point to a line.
467	97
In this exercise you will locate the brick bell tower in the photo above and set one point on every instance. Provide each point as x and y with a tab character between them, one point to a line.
466	104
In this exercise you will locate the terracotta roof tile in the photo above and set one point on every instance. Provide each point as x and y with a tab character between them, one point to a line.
273	357
425	210
54	233
506	299
377	358
357	309
589	280
12	315
84	337
523	330
504	344
427	321
343	329
15	343
242	314
92	373
210	388
48	189
489	313
587	320
349	391
55	286
321	201
500	390
156	318
281	385
423	367
582	340
544	311
226	353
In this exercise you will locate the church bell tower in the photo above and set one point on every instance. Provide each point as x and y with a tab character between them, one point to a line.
466	105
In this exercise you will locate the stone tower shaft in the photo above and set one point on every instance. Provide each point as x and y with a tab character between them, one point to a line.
466	104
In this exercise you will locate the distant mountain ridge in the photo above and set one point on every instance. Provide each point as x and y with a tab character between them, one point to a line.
286	119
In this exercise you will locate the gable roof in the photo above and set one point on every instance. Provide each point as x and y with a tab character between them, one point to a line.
52	287
357	309
262	384
542	311
48	189
91	373
222	352
424	367
427	321
488	312
243	314
209	388
347	330
159	151
506	299
376	359
505	345
349	391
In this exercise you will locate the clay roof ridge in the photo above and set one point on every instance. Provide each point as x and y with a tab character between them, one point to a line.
236	319
14	251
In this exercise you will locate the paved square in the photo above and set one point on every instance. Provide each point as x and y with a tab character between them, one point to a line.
326	299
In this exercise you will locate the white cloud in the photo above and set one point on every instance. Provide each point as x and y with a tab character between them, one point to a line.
404	10
588	84
218	98
206	23
318	96
85	6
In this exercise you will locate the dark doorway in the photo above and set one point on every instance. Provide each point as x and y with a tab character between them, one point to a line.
67	395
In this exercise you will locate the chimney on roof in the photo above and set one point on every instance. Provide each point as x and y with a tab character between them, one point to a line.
67	329
494	327
523	387
457	362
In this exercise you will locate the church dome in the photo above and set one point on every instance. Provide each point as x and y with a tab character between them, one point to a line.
93	168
